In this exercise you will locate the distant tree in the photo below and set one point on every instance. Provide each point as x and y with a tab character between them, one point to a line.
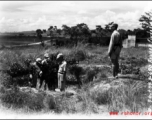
74	32
59	31
146	22
50	29
107	26
21	34
39	35
99	30
80	32
55	28
83	31
44	30
66	29
130	32
123	34
107	30
140	33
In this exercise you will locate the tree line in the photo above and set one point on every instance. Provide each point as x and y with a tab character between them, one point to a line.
82	33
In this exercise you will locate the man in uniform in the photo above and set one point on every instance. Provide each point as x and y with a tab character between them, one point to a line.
45	73
54	71
61	72
34	70
114	50
39	70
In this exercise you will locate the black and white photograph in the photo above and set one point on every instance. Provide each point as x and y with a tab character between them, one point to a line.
75	59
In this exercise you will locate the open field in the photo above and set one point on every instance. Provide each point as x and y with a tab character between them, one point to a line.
11	40
98	94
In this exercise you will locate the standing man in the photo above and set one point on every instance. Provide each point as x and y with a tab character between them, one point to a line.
61	72
34	70
114	50
46	71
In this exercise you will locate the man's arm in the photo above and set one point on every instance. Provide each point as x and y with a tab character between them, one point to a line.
111	45
65	67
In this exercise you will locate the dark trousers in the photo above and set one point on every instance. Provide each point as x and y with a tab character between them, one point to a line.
115	66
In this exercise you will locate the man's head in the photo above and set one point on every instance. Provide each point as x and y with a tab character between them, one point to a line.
60	57
114	26
46	55
38	60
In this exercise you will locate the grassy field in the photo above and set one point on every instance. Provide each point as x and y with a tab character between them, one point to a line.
11	40
98	94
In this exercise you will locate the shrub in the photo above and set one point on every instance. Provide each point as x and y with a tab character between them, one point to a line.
131	65
19	99
100	95
129	96
5	79
49	102
77	72
64	104
17	70
17	74
78	52
90	74
88	105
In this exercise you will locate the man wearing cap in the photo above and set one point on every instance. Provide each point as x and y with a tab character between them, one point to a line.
34	70
45	70
61	72
39	65
114	50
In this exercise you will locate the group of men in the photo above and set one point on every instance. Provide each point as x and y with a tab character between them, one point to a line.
51	71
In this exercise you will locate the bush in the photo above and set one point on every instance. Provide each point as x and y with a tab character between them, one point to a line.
131	65
17	74
78	52
64	104
18	99
120	95
128	96
17	70
5	79
88	105
49	102
90	74
100	95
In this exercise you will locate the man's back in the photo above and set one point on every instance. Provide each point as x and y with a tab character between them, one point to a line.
116	37
115	44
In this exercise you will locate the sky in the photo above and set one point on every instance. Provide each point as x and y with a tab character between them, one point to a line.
18	16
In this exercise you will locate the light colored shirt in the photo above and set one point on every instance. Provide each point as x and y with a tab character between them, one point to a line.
115	40
62	67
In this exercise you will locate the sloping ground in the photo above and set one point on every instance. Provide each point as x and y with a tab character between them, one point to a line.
26	45
97	95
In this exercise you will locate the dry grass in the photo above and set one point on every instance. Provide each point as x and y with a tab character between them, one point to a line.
120	95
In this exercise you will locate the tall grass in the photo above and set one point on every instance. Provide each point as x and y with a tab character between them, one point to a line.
131	96
18	99
117	95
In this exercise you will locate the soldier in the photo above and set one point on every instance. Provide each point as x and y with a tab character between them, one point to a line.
54	70
61	72
34	71
39	64
46	70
